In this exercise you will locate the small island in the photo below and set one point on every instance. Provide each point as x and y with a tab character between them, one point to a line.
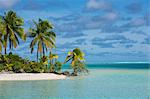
46	67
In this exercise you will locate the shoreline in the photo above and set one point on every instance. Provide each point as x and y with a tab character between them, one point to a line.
30	76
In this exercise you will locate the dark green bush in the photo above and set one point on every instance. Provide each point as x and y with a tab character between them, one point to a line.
1	67
27	69
13	57
79	67
38	68
17	64
17	67
57	66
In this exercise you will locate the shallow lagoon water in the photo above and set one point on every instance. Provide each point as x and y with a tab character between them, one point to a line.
100	83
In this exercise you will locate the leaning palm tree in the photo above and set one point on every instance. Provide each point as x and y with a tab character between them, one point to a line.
77	61
42	36
12	29
76	54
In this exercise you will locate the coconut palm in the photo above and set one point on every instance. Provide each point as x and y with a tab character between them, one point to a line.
76	54
77	60
52	57
12	29
52	35
42	36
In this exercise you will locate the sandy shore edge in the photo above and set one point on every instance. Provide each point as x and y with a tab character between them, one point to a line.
31	76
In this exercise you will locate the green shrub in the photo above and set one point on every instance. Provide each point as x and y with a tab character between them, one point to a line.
17	67
27	69
8	67
79	67
57	66
37	68
13	57
1	67
17	64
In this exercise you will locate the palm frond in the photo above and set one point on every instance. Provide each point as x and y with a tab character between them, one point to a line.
40	46
33	42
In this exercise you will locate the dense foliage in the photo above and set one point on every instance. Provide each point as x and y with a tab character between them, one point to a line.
42	36
17	64
77	61
11	31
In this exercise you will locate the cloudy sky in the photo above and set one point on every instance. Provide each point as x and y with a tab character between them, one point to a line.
106	30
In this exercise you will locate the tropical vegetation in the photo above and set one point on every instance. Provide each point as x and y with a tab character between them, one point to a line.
77	61
14	63
43	40
11	29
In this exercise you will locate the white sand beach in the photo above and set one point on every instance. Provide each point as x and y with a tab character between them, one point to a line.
30	76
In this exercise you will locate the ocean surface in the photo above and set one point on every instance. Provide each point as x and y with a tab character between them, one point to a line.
104	81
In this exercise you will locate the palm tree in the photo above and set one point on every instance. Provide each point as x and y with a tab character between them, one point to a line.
43	36
52	35
52	57
75	55
77	60
12	29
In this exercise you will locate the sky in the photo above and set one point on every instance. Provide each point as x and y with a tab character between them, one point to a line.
106	30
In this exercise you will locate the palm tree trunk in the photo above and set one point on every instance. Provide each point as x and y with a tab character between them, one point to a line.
5	45
75	72
5	51
5	39
51	64
37	56
11	46
43	50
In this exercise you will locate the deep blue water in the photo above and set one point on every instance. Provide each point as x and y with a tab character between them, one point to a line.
116	66
105	81
121	65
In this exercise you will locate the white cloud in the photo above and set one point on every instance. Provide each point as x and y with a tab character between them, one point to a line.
7	3
92	4
138	22
96	4
111	16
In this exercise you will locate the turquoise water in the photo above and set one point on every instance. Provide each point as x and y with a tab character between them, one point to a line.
100	83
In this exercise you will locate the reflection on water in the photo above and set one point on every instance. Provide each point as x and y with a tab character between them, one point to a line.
99	83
